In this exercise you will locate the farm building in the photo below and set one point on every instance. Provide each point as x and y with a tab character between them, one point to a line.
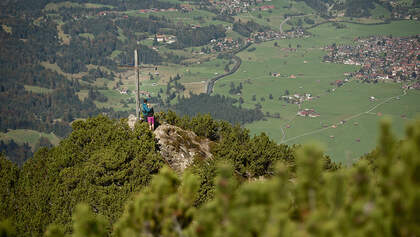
308	113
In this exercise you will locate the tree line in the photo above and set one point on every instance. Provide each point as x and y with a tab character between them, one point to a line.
219	107
247	28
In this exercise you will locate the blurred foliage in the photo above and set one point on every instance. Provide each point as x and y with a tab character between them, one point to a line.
251	187
101	163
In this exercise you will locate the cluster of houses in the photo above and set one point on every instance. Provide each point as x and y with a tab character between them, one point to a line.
222	45
233	7
297	99
308	113
161	38
380	57
339	83
277	74
274	35
125	91
404	10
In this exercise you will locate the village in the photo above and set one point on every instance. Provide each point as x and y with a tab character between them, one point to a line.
222	45
234	7
382	58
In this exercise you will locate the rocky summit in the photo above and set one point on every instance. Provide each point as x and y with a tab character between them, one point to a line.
179	147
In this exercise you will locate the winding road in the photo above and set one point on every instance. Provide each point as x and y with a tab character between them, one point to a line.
210	82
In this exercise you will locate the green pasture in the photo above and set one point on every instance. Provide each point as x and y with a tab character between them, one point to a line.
203	71
114	100
97	5
357	136
151	86
195	17
328	34
380	11
31	137
350	102
115	53
89	36
276	15
312	75
121	35
114	96
69	4
37	89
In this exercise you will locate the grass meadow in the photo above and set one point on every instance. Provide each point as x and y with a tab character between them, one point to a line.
21	136
350	102
299	63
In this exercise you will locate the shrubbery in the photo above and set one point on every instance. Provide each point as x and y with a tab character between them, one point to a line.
252	186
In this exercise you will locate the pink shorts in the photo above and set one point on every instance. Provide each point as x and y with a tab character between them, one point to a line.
151	120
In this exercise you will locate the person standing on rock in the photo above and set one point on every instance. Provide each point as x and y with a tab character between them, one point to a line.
148	113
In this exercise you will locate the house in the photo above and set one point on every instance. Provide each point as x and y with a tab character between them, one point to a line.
266	8
123	91
160	38
275	74
308	113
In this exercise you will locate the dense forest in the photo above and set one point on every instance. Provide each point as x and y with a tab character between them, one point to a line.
220	107
319	5
36	40
47	49
359	8
200	36
15	152
247	28
285	190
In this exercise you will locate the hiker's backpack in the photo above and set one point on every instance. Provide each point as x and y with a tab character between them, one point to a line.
151	112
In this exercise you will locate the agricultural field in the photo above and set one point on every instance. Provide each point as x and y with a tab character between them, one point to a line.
21	136
349	120
69	4
274	17
37	89
299	69
195	17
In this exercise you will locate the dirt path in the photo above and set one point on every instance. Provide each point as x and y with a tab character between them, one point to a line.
346	119
288	122
282	23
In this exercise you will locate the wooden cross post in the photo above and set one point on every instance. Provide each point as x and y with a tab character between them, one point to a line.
136	67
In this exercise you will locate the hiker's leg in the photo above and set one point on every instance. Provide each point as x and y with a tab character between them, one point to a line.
149	121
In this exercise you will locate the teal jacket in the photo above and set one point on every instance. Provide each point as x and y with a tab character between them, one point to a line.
145	110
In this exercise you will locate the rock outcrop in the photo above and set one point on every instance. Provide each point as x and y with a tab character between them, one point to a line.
179	147
132	119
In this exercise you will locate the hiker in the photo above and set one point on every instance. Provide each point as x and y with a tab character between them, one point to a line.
148	113
145	110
